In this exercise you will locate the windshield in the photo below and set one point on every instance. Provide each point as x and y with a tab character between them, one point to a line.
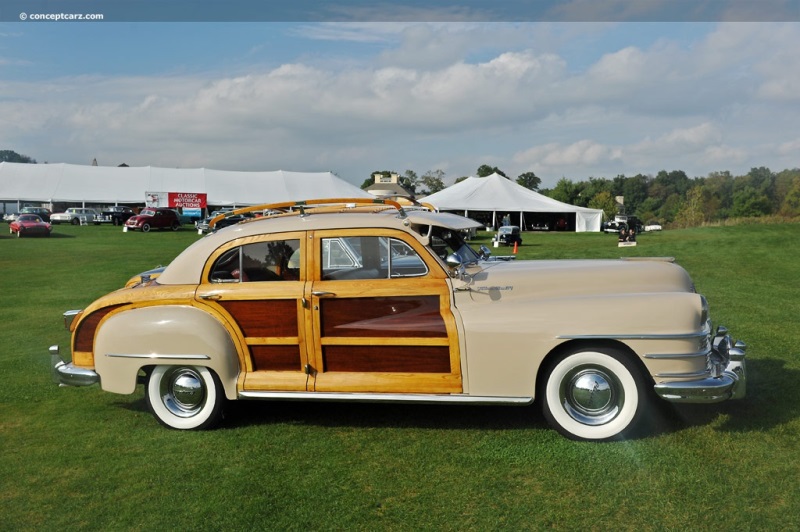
448	241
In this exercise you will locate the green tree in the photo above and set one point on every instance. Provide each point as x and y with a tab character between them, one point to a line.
409	181
529	180
692	211
433	181
565	191
486	170
604	200
10	156
634	190
590	189
749	202
791	201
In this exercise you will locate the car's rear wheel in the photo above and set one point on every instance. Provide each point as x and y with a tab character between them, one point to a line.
145	228
185	397
175	226
594	394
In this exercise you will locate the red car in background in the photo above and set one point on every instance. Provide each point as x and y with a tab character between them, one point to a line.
153	218
29	225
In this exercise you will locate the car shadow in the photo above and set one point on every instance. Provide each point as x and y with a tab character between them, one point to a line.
766	405
767	382
382	415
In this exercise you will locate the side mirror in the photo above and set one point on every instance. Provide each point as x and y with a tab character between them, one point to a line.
453	262
485	252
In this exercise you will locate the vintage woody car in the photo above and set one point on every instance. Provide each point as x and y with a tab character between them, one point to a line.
344	300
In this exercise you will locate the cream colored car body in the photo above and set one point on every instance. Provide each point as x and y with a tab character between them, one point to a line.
500	328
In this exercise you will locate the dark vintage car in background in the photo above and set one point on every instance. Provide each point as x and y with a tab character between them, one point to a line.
116	214
508	235
203	225
29	225
153	218
42	212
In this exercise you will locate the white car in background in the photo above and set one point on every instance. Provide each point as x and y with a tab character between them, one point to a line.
76	215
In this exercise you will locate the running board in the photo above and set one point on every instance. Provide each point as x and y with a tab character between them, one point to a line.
386	398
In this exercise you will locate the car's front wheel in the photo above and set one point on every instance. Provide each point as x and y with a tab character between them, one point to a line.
145	228
185	397
594	394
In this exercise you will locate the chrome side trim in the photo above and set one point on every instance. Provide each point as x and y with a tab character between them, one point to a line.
670	356
693	374
386	398
677	336
156	356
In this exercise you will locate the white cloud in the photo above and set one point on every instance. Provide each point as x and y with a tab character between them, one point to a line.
721	102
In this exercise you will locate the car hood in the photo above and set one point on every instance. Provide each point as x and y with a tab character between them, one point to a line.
564	278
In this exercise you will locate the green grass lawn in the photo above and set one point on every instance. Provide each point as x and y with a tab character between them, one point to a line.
80	458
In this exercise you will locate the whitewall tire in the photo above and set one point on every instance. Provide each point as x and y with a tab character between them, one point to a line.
594	394
185	397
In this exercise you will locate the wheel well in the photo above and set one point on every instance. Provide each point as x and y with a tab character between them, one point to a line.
572	346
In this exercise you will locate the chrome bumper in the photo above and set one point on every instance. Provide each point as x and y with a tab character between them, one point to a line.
727	380
68	375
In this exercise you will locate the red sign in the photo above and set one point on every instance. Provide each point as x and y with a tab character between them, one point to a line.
187	200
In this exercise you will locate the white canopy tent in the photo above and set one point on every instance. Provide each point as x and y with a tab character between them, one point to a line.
48	183
495	194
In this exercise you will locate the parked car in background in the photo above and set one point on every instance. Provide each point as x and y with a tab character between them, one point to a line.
116	214
42	212
76	216
363	300
153	218
508	235
652	226
29	225
203	226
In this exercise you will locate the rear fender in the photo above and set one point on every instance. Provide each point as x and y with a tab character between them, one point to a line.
132	339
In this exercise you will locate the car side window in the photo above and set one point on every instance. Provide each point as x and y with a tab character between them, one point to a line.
369	257
277	260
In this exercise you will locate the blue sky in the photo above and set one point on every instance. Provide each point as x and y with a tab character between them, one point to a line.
562	99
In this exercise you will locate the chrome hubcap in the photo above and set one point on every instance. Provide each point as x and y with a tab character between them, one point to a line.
591	395
183	392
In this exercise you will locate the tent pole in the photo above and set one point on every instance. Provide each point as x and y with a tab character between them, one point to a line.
494	219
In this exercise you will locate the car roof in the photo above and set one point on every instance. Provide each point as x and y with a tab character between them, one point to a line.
188	266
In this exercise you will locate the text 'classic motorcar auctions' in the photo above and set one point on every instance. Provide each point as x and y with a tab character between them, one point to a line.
365	300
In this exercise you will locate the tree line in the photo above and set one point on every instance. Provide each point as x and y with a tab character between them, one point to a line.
669	198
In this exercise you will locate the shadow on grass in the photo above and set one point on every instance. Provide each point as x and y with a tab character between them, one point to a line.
60	235
382	415
767	404
768	381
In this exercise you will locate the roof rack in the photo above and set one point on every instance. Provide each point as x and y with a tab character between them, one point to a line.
286	206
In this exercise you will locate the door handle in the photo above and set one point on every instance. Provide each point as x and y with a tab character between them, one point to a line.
211	297
320	293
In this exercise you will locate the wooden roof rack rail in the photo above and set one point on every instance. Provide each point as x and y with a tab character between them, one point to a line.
286	206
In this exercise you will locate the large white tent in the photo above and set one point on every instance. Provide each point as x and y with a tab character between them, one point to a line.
496	194
50	183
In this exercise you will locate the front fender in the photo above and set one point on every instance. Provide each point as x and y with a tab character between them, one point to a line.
131	339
